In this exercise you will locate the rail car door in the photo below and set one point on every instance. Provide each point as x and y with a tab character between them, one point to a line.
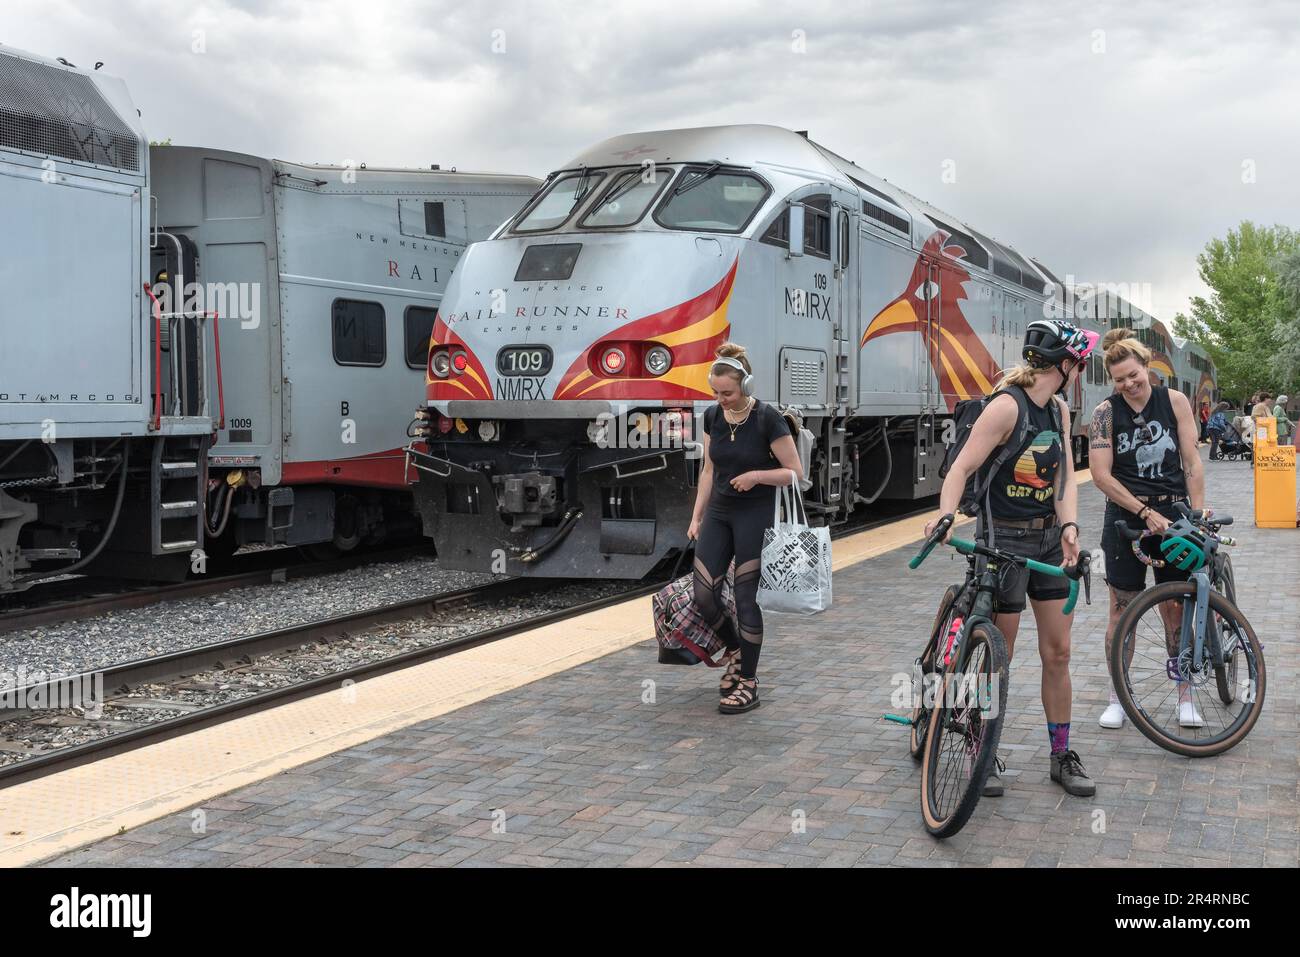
929	369
847	292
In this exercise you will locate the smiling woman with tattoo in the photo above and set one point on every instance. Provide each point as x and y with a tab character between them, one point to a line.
1144	459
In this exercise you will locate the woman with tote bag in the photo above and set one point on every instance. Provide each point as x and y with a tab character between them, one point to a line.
748	450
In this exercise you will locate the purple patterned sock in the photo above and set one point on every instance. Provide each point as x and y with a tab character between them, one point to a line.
1059	735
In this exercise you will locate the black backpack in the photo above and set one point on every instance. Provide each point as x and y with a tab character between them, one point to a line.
964	416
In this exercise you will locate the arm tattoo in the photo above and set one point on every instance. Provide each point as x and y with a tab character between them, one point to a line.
1099	432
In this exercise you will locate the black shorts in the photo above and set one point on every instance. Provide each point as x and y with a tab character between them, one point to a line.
1016	581
1124	570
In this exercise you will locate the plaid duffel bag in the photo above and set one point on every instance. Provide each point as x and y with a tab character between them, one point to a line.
684	637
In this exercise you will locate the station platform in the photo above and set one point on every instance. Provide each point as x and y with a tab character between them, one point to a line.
571	746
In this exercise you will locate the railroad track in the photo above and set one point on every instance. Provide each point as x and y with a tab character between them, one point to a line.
202	668
180	672
271	566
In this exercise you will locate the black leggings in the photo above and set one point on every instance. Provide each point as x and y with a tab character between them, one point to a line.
733	528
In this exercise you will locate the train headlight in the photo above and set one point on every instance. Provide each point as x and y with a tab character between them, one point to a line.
613	361
658	360
440	364
487	430
459	361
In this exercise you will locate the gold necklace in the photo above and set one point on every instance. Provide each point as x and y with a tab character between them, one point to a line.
733	428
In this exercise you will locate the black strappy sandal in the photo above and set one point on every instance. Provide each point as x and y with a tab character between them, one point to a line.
744	698
731	676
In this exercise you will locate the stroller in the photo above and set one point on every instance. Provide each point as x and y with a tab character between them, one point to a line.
1233	446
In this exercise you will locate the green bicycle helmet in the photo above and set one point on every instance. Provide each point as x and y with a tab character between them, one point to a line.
1184	546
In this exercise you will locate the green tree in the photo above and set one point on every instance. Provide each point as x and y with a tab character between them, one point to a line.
166	142
1238	324
1286	362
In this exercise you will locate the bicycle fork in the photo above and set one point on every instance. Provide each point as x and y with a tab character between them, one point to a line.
1197	626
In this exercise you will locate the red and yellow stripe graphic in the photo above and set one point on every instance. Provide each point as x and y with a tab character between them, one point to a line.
693	330
960	361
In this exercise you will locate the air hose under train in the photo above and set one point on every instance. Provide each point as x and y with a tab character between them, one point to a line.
108	531
889	469
566	525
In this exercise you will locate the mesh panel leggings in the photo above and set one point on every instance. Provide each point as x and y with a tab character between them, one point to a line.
733	529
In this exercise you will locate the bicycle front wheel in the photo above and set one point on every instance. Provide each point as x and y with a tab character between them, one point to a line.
1196	709
965	726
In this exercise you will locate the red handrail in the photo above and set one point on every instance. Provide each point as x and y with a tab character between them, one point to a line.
157	358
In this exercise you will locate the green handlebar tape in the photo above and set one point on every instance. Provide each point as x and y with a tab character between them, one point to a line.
963	546
1074	597
1055	570
898	718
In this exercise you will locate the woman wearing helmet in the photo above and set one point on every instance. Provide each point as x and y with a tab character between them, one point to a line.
1142	449
1030	510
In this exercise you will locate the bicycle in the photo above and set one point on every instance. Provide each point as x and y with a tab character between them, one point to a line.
1175	638
956	721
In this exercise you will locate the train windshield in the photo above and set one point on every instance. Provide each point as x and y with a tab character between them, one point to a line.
558	203
713	200
628	197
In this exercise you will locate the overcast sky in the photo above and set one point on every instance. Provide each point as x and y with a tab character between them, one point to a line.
1109	140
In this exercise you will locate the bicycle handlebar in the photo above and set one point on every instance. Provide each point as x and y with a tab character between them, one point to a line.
935	538
1073	573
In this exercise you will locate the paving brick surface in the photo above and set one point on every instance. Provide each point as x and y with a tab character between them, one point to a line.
623	762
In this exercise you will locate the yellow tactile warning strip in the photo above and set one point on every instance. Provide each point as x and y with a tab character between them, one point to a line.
52	815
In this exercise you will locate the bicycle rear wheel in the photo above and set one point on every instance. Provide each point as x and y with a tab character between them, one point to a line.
923	668
1174	702
965	726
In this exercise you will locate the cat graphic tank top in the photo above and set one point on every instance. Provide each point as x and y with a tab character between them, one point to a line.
1025	487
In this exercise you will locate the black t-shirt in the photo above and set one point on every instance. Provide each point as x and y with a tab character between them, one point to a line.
750	450
1025	486
1147	464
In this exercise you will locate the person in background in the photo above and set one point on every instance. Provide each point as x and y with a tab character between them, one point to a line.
1204	417
1261	409
1217	427
1285	427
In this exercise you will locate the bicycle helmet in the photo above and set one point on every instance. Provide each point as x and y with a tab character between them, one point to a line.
1052	341
1184	546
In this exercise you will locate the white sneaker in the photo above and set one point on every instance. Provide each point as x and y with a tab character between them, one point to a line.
1113	716
1188	716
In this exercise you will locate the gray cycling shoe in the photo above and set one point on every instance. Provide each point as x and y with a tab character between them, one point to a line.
1067	771
993	786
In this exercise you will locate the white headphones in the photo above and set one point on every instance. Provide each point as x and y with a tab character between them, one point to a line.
747	380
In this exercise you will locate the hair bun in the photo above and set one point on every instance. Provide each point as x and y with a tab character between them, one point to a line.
730	350
1114	336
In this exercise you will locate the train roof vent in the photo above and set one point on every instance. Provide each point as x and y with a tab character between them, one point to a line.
882	214
56	112
976	254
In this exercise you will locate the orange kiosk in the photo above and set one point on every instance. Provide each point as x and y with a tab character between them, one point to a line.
1275	481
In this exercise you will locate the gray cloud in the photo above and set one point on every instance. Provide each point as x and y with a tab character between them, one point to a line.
1112	164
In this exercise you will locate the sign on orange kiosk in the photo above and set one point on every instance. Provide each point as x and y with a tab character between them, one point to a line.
1275	503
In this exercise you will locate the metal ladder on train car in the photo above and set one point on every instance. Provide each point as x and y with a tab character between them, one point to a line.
176	493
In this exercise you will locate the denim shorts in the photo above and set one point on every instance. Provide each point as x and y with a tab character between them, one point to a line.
1015	582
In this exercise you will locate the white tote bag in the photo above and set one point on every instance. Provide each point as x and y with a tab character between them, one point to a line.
796	559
